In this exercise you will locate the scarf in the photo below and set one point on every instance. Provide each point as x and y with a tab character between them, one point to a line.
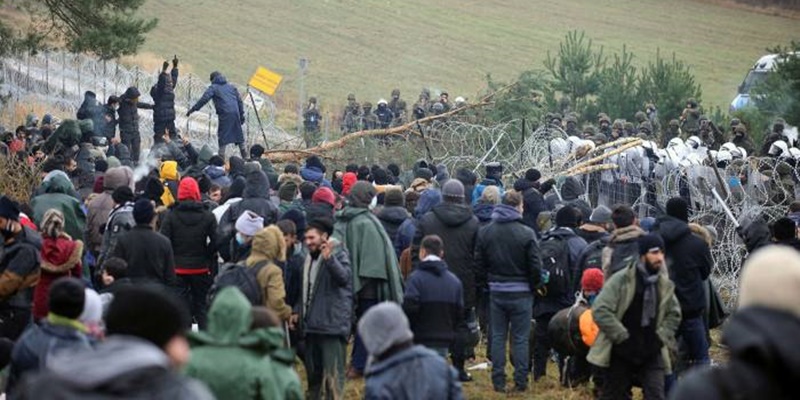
650	294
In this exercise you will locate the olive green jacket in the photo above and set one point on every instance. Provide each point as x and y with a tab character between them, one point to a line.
613	301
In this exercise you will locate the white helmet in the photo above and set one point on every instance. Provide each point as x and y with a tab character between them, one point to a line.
460	99
674	142
795	152
713	154
724	156
694	142
743	152
559	146
779	148
729	146
382	101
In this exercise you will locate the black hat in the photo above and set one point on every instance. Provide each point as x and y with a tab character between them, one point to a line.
678	208
424	173
143	211
147	312
9	208
298	218
322	224
122	195
567	217
67	297
101	165
314	161
256	151
533	175
650	242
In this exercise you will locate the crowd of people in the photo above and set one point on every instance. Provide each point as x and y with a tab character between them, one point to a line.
121	274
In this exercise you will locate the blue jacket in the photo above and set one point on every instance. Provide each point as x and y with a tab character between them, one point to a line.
434	303
229	107
218	176
416	373
314	174
479	188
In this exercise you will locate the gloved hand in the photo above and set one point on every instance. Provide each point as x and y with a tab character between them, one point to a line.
175	61
165	66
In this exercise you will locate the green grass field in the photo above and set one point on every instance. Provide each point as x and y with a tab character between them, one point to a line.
370	47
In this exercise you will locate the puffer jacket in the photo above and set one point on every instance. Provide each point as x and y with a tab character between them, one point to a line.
689	262
330	310
458	228
192	230
413	373
507	250
163	94
128	112
614	300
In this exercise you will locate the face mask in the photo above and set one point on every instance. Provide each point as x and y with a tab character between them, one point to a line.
240	239
590	298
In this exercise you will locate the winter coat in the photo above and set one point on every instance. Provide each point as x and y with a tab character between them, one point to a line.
192	231
230	111
163	94
39	343
19	269
218	176
256	198
67	135
148	254
551	304
237	362
591	232
270	276
507	250
315	175
623	246
373	259
458	228
483	212
61	257
92	110
272	175
121	367
613	301
98	210
434	304
330	309
392	218
416	373
110	128
689	262
128	113
480	187
764	360
57	195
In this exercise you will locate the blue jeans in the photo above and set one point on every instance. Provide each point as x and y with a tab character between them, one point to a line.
514	309
693	340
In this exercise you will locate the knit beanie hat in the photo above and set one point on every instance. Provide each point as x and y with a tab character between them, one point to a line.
348	180
143	211
567	217
67	297
52	224
592	280
287	191
188	190
298	218
122	195
249	223
442	174
453	191
600	215
118	176
533	175
324	195
393	197
771	279
9	208
147	312
650	242
424	173
384	326
361	194
678	208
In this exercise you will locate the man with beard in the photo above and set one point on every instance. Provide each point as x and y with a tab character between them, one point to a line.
637	313
325	309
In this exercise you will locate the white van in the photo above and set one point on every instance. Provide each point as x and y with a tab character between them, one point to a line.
765	65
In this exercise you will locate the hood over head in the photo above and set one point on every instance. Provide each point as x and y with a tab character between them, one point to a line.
268	245
257	185
505	213
453	215
429	199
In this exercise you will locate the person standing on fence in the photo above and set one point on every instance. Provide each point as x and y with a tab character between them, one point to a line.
163	94
128	120
230	112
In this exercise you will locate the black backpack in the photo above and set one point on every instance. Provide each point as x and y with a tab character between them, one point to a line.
242	277
554	252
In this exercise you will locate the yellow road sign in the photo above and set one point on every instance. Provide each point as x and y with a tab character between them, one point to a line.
265	81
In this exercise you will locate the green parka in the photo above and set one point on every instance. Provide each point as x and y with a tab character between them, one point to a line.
238	363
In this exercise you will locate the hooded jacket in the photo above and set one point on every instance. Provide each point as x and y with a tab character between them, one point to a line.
623	246
689	262
237	362
163	94
19	269
434	303
507	250
148	254
229	108
458	228
533	202
392	218
61	257
192	231
101	205
218	176
314	174
120	220
413	373
330	309
269	247
57	195
764	360
121	367
128	112
90	109
373	259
